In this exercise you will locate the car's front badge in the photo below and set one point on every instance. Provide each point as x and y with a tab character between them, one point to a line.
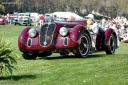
45	43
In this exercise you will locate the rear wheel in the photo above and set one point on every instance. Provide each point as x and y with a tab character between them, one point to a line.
29	55
84	46
110	48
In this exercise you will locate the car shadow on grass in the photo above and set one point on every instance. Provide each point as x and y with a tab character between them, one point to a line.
58	57
72	57
18	77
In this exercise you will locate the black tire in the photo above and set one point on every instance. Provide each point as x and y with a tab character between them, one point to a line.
84	46
110	49
29	56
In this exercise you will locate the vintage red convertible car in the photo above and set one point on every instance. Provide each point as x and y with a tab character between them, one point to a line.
64	37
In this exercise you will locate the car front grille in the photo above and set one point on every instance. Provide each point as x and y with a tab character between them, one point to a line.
46	34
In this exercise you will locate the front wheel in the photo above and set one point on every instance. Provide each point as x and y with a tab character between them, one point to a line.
110	48
84	46
29	55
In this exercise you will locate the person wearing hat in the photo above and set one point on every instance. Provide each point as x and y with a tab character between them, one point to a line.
90	21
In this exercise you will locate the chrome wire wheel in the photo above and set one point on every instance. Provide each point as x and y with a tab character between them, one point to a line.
84	46
110	49
112	44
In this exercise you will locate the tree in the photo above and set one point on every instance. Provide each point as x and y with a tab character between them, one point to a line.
2	9
106	7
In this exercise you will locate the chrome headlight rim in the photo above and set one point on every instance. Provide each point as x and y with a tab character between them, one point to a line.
63	31
32	32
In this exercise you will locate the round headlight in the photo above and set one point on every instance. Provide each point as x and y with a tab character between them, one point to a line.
32	32
63	31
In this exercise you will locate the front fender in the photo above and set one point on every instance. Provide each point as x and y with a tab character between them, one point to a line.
22	39
71	40
108	33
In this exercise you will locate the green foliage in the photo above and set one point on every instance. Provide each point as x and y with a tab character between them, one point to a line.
6	58
105	7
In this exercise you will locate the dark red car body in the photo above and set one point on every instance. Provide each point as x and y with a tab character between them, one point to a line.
78	40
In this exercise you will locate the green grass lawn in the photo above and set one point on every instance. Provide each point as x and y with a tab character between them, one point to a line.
97	69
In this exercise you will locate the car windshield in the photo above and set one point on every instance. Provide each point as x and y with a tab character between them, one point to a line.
48	19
